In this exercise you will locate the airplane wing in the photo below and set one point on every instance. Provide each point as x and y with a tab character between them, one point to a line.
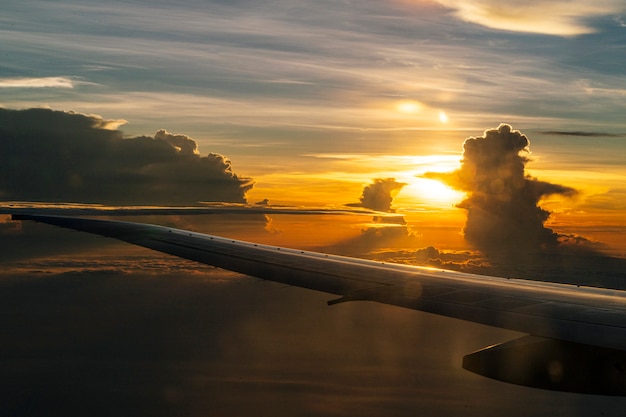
576	335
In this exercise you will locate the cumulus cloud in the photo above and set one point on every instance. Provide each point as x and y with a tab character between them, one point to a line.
48	155
182	143
503	213
379	195
561	17
505	224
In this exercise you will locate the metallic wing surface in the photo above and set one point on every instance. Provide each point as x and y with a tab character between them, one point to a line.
576	335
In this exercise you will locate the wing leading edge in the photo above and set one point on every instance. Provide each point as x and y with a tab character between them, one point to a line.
566	320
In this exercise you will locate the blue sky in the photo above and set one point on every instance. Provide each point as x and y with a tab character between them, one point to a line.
280	66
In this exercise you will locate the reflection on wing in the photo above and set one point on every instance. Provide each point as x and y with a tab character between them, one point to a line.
568	324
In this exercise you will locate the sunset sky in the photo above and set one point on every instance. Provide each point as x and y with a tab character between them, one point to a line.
336	104
315	99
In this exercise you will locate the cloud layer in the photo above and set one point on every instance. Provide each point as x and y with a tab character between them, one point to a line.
104	339
59	156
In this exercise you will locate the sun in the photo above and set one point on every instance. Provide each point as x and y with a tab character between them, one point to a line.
443	117
429	192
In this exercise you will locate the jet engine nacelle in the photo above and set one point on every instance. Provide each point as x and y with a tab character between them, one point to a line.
552	364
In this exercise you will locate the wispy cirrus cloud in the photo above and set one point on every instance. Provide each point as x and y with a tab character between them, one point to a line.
37	82
581	133
561	18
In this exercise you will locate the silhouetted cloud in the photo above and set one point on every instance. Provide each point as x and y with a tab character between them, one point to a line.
379	195
503	215
182	143
50	155
506	224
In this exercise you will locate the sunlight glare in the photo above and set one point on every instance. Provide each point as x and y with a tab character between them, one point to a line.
432	192
443	117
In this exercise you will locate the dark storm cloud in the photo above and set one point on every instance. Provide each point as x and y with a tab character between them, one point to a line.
506	224
50	155
503	213
379	195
